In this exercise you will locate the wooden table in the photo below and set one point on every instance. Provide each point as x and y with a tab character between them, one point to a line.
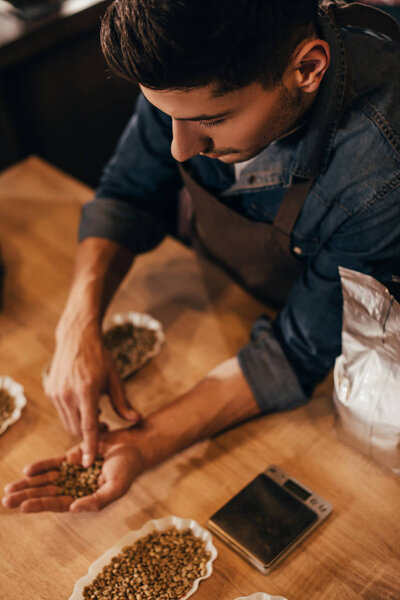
353	555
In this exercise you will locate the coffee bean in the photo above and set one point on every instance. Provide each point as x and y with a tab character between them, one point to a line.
78	481
128	345
144	572
7	405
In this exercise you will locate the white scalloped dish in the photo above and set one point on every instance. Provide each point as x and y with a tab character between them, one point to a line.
131	537
261	596
16	391
138	320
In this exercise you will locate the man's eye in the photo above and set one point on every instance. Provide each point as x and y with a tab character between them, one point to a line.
211	123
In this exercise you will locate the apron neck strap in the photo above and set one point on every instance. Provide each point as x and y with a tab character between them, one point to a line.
291	205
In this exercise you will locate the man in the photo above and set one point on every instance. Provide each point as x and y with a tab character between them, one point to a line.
283	122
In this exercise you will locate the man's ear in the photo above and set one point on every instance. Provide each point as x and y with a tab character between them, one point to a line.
309	63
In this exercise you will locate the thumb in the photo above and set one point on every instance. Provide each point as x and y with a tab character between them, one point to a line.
107	493
119	400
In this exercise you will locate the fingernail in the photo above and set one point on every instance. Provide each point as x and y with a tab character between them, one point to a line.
86	460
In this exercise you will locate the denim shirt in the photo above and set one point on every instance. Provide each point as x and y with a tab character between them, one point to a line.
351	216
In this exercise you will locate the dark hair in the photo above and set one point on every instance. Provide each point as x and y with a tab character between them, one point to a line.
183	44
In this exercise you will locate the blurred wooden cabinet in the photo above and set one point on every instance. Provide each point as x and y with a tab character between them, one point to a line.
57	97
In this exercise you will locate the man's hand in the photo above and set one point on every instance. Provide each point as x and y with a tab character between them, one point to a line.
220	400
82	370
38	491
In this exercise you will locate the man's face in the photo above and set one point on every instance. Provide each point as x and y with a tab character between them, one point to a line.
233	127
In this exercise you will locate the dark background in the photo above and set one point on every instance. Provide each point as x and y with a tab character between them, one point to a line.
57	97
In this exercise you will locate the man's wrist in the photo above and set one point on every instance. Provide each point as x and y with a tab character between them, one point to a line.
82	316
220	400
100	267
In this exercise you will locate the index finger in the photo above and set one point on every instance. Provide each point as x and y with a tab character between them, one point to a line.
90	431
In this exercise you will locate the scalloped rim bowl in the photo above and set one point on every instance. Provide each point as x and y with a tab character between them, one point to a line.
17	392
131	537
261	596
138	320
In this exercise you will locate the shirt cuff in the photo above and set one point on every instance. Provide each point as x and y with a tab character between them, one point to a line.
120	222
268	372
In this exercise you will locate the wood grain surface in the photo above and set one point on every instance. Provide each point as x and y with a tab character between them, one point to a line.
353	555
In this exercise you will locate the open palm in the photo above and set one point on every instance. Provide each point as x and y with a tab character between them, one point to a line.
38	491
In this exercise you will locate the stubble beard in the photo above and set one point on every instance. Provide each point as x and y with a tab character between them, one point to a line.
290	116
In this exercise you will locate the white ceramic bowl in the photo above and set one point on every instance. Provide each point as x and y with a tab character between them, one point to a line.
261	596
138	320
16	391
131	537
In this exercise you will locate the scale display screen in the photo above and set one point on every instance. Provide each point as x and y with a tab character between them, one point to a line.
265	518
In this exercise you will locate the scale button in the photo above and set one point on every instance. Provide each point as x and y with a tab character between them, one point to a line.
323	508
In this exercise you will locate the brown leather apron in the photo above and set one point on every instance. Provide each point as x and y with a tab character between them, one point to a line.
258	255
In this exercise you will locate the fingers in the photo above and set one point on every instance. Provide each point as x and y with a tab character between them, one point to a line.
41	466
61	411
49	503
73	418
74	456
62	402
106	494
90	430
30	482
119	400
17	498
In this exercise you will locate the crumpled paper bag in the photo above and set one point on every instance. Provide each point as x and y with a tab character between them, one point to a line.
367	373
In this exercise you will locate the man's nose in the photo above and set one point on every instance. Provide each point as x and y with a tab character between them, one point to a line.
186	141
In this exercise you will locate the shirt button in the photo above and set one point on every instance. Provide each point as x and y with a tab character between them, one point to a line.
251	179
297	250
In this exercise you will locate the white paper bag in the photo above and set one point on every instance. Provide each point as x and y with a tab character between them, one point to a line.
367	373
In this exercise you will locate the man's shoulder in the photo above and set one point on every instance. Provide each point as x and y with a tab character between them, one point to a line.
374	63
365	155
365	159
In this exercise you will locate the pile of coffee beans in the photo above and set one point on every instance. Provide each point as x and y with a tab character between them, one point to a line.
7	405
161	566
128	345
78	481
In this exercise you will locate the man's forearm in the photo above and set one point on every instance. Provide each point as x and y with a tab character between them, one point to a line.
100	266
219	401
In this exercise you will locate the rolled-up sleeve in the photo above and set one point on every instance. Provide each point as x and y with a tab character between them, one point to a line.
136	201
269	374
286	359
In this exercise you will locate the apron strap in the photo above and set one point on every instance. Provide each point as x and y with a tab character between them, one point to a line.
291	205
352	15
366	17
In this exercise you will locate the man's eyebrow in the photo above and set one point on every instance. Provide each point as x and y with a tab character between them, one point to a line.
220	115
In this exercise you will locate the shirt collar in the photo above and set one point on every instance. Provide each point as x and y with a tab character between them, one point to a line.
305	153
